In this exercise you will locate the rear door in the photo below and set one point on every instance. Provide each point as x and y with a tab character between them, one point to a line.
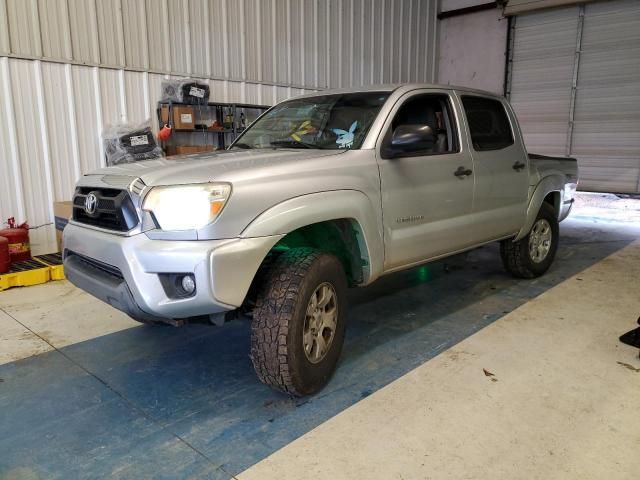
501	168
426	194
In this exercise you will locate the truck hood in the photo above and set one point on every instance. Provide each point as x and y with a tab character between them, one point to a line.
206	167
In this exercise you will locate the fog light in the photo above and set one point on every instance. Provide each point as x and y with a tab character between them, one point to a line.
188	284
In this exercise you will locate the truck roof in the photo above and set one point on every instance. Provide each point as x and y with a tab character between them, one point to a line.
399	86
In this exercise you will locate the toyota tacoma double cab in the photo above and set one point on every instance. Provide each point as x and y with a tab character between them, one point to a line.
323	192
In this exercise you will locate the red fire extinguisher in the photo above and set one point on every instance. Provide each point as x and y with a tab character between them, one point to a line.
18	237
5	259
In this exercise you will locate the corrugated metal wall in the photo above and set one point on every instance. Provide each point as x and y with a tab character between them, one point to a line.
575	86
70	67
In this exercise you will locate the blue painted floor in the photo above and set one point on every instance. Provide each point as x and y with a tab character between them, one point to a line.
162	402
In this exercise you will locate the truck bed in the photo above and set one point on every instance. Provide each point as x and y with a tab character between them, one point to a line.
537	156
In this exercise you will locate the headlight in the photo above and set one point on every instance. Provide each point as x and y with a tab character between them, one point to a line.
187	207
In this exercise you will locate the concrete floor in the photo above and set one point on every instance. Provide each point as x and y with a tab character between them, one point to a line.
87	393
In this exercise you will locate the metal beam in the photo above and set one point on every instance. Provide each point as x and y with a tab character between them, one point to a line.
508	70
574	81
466	10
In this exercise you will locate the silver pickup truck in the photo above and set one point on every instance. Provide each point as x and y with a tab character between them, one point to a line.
321	193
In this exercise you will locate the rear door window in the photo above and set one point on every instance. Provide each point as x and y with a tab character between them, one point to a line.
488	123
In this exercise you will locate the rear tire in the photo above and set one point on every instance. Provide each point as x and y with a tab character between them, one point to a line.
532	255
299	321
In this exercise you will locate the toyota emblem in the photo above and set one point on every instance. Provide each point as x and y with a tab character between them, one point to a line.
90	203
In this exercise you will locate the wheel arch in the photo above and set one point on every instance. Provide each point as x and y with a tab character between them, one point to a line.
342	222
549	190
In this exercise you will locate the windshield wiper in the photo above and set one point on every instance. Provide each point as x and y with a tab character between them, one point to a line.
246	146
294	144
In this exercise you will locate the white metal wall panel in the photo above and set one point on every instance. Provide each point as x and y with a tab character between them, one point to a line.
110	32
253	27
542	70
282	44
55	29
235	37
60	130
472	50
83	19
24	28
606	135
12	201
30	137
266	36
377	40
295	41
321	33
309	32
134	25
157	17
112	96
68	68
218	28
298	43
199	37
4	28
136	96
179	35
87	111
606	123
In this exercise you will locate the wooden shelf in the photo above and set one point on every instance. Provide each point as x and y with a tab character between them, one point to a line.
200	130
208	112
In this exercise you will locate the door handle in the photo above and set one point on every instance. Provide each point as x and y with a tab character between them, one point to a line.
462	172
518	166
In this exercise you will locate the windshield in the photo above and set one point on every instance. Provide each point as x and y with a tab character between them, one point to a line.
338	121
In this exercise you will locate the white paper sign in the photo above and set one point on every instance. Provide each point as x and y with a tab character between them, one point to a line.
139	140
185	118
196	92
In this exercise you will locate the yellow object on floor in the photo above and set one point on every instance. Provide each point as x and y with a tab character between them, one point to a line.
40	269
54	261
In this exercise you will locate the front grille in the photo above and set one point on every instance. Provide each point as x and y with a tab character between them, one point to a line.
114	209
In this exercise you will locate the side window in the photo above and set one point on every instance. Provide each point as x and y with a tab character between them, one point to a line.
431	113
488	123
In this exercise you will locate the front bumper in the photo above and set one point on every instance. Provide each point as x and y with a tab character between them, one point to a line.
223	271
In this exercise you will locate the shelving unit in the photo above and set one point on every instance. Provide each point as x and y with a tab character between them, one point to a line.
214	125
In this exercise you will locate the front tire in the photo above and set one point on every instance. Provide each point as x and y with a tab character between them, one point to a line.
299	321
532	255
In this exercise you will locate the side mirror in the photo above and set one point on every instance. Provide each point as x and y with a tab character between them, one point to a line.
412	138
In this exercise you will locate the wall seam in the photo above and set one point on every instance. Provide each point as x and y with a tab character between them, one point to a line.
574	80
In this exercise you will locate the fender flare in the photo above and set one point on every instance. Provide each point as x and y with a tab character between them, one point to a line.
298	212
549	184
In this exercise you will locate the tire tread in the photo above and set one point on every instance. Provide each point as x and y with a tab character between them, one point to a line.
273	315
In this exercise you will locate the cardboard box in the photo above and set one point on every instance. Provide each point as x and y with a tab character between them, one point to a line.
183	117
62	212
187	149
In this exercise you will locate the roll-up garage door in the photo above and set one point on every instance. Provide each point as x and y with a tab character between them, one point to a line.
574	82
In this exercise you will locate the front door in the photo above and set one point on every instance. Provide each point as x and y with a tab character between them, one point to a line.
427	191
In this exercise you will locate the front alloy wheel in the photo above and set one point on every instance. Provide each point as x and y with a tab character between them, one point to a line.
299	321
320	322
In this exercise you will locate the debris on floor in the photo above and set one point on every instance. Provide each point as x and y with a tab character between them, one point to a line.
487	373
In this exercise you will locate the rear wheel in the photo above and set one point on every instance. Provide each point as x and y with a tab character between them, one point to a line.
532	255
299	321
